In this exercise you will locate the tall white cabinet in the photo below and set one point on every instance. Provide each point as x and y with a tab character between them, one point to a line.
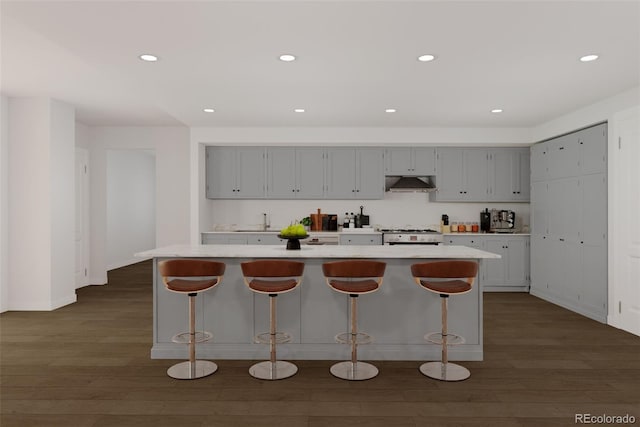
569	221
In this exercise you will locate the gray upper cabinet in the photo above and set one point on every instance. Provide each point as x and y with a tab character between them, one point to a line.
509	175
539	169
355	173
563	159
295	173
410	161
462	175
235	173
450	179
593	151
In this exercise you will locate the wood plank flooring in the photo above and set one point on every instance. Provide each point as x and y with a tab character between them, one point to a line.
88	365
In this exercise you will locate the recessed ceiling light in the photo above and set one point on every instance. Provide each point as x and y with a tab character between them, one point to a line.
390	110
299	110
426	58
589	58
148	57
287	58
497	110
209	110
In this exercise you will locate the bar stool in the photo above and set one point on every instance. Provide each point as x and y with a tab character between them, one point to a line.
445	278
355	278
202	275
272	277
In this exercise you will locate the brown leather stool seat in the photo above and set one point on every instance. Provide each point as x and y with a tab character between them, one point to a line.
272	277
445	278
203	275
355	278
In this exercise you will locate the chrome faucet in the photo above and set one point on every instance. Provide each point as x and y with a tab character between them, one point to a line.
265	226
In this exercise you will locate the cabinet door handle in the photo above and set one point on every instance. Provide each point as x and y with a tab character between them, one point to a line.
293	190
357	191
298	190
562	240
561	148
353	191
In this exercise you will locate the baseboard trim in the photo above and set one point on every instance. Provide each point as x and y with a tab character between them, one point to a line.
42	305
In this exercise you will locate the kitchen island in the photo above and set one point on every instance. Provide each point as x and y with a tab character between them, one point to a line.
398	315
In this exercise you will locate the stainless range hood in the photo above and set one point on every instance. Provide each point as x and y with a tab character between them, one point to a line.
409	184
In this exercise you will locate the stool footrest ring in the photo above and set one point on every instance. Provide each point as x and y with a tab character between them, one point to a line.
185	337
452	339
361	338
265	338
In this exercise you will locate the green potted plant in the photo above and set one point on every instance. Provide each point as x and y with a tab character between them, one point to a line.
306	221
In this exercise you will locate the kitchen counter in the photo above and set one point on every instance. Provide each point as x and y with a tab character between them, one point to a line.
486	234
398	315
315	233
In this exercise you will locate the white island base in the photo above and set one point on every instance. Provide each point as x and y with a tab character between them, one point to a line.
397	316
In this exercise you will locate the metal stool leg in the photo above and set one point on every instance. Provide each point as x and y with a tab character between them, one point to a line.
273	369
354	370
444	370
192	369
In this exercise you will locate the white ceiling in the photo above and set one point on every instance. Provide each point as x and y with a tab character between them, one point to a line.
355	58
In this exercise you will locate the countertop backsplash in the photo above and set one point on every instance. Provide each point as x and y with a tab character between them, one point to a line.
396	209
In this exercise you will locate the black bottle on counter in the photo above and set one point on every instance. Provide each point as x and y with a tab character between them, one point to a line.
345	224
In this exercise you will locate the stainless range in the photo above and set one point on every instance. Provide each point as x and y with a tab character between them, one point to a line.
411	236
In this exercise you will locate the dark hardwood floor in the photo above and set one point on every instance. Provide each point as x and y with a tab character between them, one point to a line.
88	364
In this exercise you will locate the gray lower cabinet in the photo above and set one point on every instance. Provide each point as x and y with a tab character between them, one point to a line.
569	222
512	271
360	239
234	238
295	173
410	161
355	173
265	239
508	274
235	173
224	239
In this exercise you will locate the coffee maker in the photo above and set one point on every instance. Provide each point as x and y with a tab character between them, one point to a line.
502	221
485	221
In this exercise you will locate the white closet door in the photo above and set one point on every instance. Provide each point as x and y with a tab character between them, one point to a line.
625	227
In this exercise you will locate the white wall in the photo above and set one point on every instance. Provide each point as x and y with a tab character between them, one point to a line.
41	204
131	205
600	111
62	201
4	205
171	146
82	136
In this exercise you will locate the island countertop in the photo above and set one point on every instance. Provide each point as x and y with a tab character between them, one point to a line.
320	251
